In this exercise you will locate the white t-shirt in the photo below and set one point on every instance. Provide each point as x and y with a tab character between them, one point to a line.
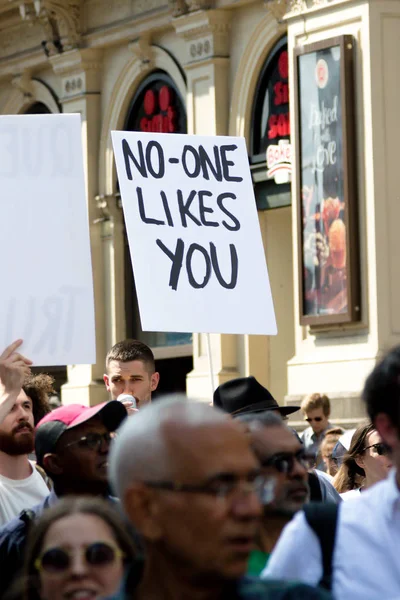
350	494
19	494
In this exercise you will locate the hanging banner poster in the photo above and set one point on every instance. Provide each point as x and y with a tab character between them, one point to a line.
326	183
193	233
46	273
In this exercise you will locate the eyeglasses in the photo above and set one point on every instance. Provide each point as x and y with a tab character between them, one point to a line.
57	560
93	441
316	419
224	486
283	462
380	449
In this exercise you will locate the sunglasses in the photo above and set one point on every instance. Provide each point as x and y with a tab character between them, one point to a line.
57	560
380	448
316	419
92	441
284	461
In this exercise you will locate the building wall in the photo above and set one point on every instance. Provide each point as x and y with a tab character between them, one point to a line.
120	44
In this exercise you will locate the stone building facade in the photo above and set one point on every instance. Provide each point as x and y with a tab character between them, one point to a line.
214	57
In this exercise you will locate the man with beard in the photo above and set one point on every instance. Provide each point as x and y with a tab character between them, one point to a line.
282	457
21	484
71	444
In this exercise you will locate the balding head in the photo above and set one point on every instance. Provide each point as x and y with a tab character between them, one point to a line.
189	483
163	439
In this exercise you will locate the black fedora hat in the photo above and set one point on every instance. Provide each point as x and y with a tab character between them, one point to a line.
246	395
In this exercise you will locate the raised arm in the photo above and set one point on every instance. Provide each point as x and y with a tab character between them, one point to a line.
13	370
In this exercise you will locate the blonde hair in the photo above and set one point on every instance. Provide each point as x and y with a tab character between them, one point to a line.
313	401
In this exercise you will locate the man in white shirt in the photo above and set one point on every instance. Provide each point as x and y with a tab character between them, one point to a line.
365	557
21	485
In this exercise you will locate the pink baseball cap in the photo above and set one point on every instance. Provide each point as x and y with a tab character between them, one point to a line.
55	423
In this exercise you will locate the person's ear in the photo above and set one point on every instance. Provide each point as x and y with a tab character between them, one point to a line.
388	432
52	464
359	460
106	380
155	378
141	506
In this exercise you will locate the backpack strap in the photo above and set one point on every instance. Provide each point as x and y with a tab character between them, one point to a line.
322	518
315	487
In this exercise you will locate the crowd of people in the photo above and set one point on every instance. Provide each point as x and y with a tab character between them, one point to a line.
177	499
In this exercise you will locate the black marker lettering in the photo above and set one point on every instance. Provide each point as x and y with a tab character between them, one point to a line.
161	162
166	209
185	206
142	211
197	164
128	155
192	280
206	163
176	258
234	264
228	163
220	200
205	209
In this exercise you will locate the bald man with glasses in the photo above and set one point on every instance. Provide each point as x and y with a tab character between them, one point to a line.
192	487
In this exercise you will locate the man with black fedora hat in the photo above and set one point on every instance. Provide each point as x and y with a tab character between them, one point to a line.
246	395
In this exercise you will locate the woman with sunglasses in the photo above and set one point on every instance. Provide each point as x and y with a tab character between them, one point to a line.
77	550
366	463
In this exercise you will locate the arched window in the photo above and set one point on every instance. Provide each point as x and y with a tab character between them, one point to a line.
270	132
38	108
157	106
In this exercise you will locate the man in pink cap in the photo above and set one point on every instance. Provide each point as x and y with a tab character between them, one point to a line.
72	445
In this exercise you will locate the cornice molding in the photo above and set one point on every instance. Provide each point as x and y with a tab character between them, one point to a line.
60	21
280	8
182	7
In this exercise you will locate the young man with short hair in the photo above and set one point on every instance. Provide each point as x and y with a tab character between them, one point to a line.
316	409
130	371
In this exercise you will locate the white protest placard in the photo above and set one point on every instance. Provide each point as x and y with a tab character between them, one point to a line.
46	293
193	233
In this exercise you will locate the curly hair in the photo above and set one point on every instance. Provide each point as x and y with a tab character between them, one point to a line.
38	388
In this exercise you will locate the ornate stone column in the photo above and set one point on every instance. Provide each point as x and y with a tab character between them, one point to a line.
80	75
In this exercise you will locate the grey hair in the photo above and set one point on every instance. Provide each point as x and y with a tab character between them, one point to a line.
140	451
265	419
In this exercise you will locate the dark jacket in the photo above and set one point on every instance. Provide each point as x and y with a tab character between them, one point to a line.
13	537
246	588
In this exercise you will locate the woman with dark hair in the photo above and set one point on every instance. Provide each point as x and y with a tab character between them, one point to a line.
78	549
365	463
